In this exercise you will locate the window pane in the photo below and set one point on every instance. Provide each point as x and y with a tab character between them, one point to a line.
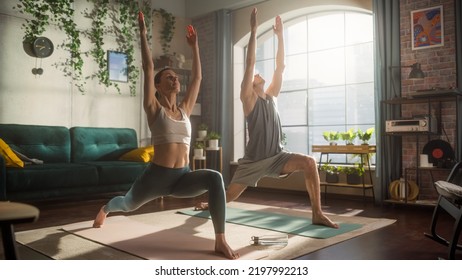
326	106
295	73
292	108
265	47
358	28
266	69
326	31
360	104
294	41
326	68
296	138
359	63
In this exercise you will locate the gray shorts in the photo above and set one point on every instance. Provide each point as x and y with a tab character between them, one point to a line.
248	172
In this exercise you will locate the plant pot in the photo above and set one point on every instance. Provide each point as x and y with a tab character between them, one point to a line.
198	153
353	179
201	134
213	144
332	177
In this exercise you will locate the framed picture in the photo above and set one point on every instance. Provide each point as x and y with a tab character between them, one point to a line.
117	66
427	28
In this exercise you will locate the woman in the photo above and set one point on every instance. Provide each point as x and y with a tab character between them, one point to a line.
169	174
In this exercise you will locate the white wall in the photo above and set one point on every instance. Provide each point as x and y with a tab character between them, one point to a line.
52	99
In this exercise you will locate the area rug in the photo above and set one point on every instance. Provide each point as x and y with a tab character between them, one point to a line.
169	235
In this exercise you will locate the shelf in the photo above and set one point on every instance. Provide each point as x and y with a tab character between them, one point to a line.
360	186
343	149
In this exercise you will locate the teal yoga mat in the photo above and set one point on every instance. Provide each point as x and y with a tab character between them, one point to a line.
277	222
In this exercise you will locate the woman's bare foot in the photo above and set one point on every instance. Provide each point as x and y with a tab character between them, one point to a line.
201	206
99	220
222	247
323	220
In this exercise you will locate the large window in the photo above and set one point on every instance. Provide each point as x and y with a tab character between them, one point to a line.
328	79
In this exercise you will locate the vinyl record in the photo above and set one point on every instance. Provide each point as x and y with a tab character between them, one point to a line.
438	151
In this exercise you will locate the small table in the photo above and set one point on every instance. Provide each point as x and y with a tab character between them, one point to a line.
14	213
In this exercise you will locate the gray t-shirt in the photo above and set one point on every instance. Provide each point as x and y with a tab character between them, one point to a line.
264	130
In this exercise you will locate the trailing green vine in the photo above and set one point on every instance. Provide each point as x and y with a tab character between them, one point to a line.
124	27
96	33
61	13
168	29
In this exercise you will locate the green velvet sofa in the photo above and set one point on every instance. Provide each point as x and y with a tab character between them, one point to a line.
77	161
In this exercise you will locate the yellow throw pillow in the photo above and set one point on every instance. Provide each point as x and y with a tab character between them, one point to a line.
11	159
143	154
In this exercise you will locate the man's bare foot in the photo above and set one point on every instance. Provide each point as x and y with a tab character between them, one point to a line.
222	247
323	220
99	220
201	206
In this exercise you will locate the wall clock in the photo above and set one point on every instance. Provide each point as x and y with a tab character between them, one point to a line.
42	47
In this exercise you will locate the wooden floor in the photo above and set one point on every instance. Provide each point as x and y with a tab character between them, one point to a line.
404	240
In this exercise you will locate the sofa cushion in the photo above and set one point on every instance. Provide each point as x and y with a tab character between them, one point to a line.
50	176
48	143
11	159
143	154
117	172
101	144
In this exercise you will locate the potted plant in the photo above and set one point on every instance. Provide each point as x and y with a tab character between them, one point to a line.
166	36
213	138
199	149
354	173
349	136
202	131
366	135
332	172
331	136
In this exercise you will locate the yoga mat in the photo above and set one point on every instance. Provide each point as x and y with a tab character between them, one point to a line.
278	222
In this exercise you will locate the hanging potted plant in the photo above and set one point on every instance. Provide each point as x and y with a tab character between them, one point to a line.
199	150
166	36
202	131
365	136
213	138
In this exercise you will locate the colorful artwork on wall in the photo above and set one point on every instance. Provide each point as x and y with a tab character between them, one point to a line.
427	28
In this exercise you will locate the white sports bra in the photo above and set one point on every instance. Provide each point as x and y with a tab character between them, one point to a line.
167	130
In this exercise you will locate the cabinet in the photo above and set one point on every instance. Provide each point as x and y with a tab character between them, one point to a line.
431	101
363	150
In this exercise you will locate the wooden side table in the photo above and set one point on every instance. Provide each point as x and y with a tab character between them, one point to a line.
202	161
14	213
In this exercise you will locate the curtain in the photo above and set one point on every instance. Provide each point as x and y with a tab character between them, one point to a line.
223	107
388	85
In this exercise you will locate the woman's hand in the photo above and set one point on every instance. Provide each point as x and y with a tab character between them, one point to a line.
191	36
278	27
141	23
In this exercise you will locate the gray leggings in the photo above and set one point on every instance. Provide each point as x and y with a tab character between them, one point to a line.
157	181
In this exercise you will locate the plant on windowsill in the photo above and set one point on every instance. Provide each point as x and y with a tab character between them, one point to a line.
213	138
365	136
332	172
331	136
349	136
353	173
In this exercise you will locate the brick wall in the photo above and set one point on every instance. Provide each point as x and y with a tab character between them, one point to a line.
439	65
206	28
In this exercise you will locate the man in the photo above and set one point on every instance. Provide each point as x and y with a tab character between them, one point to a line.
264	155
